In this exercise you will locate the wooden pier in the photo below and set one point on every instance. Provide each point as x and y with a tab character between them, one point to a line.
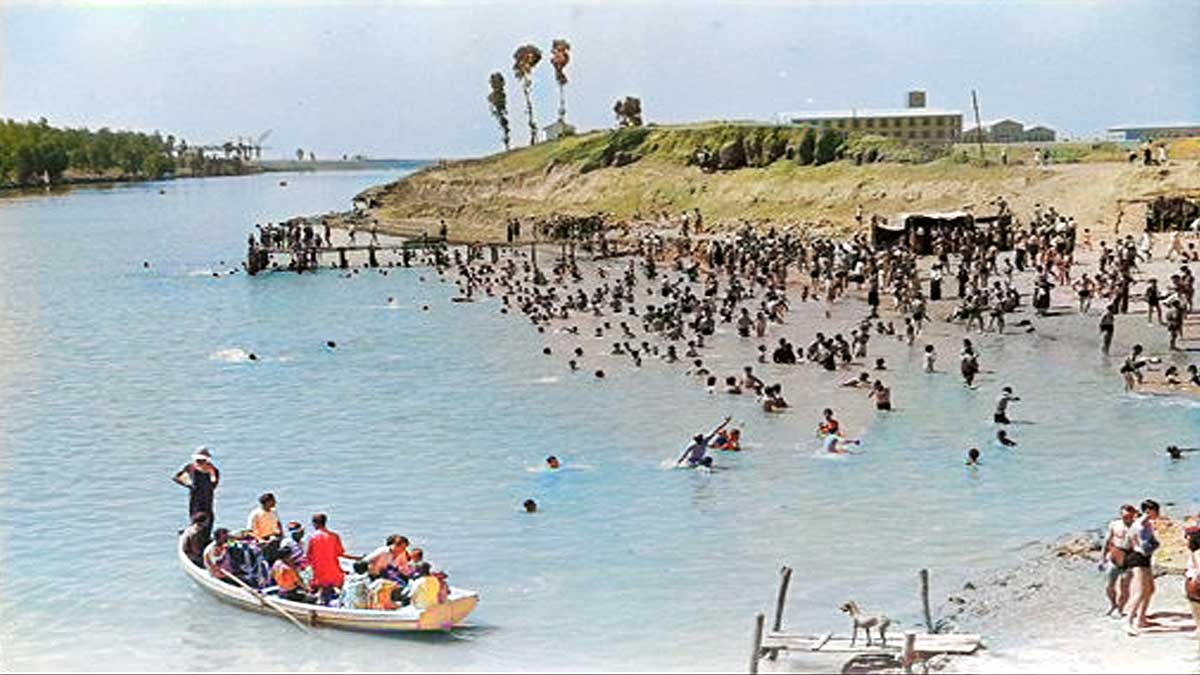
913	648
306	258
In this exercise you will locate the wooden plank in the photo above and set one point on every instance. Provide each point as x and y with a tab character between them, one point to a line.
925	643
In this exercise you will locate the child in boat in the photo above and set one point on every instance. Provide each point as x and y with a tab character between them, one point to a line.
357	587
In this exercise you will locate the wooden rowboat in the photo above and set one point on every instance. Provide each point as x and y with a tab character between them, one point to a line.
441	617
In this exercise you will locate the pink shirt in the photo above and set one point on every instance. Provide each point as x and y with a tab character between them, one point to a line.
324	549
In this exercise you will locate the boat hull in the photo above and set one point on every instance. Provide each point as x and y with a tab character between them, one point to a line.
441	617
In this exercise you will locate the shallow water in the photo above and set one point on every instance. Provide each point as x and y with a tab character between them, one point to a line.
428	423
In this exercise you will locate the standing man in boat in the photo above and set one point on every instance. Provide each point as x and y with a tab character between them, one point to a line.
324	549
200	477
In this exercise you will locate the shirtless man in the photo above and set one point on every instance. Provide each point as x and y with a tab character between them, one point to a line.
1116	546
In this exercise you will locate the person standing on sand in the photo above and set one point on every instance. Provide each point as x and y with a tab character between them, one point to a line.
1142	545
1191	582
1116	547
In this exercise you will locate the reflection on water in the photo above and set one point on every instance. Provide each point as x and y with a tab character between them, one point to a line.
426	423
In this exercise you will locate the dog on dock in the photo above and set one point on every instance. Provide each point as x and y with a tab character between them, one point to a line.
880	623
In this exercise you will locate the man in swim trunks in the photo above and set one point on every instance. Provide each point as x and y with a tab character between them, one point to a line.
1116	547
1142	545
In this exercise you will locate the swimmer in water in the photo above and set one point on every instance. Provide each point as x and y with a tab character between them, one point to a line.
1003	439
552	462
530	506
836	445
1176	452
331	344
828	426
973	457
696	453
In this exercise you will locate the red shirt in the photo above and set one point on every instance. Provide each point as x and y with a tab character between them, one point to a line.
324	548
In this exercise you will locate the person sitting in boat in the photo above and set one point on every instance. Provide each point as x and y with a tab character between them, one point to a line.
247	560
196	538
391	559
292	547
216	556
386	594
263	523
356	588
288	582
429	588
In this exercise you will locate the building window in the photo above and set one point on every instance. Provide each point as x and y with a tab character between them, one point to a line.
854	122
925	121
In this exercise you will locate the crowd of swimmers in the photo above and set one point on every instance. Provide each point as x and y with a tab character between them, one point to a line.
283	560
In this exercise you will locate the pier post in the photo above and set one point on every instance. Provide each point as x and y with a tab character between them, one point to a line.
785	574
925	599
909	654
371	259
758	636
785	578
342	257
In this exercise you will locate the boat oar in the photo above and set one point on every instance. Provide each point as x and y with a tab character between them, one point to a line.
267	602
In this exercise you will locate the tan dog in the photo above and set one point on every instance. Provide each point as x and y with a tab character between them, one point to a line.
879	623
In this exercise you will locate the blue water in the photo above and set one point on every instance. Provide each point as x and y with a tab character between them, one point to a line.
432	424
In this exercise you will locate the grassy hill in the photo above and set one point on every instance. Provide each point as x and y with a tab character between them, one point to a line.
647	170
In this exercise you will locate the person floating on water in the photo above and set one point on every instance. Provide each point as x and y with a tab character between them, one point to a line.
973	457
1003	439
696	454
552	462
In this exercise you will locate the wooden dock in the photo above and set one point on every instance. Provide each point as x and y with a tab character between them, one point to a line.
260	258
906	650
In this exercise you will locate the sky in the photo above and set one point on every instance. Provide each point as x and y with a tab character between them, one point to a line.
409	79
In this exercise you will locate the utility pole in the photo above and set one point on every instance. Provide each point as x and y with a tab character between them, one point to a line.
978	124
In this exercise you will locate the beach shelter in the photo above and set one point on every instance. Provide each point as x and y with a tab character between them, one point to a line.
917	229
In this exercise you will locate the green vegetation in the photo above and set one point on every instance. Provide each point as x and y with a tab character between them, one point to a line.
31	150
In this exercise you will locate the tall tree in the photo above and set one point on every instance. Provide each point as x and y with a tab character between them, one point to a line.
498	99
525	59
827	146
560	56
628	111
808	148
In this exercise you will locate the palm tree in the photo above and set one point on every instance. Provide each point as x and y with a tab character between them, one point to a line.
498	99
560	56
525	59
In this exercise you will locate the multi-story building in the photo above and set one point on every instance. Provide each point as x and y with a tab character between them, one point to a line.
1008	131
914	123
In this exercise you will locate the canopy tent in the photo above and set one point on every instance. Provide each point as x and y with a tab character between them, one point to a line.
917	229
